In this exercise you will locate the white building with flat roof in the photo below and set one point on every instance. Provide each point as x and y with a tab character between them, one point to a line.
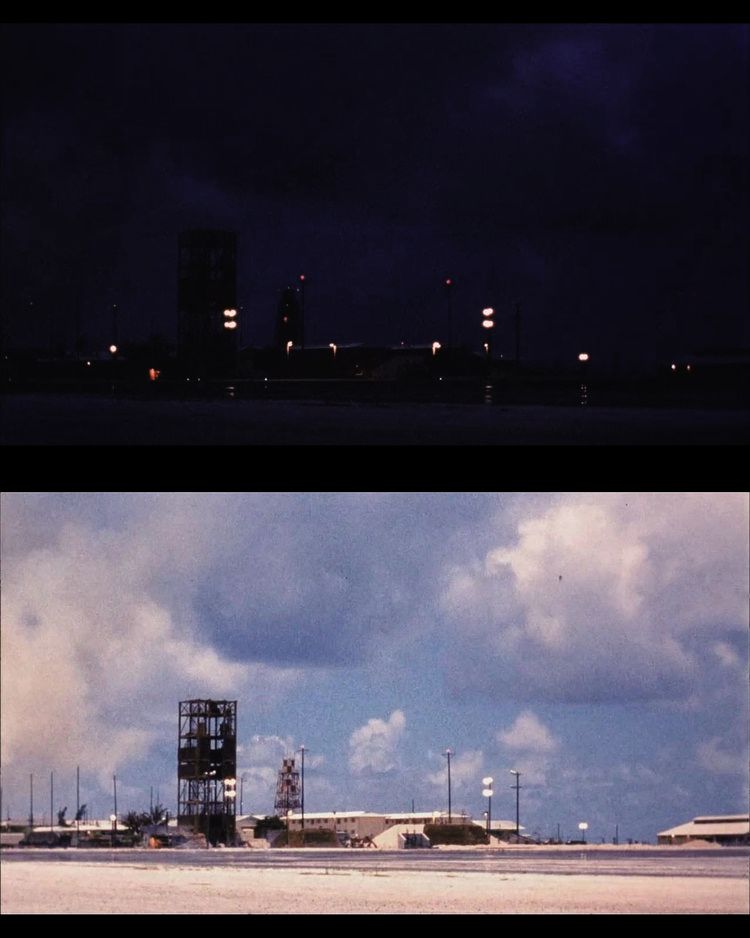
361	824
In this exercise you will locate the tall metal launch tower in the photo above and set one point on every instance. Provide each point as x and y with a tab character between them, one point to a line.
288	792
207	768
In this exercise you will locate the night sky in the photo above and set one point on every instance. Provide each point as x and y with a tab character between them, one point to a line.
595	642
595	174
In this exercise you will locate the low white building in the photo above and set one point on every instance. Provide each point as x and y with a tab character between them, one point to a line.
358	825
730	830
355	824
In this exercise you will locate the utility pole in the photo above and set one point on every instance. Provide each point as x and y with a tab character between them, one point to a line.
51	790
449	296
78	804
518	333
448	753
517	786
302	306
302	794
31	800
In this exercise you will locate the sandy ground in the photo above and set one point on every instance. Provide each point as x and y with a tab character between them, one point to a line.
59	887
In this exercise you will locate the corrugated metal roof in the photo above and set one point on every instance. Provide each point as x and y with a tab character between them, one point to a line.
711	827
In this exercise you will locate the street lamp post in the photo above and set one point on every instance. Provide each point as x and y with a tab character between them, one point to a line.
448	753
583	358
583	827
487	792
517	786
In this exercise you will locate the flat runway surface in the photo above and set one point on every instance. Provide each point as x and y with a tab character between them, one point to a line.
562	880
40	419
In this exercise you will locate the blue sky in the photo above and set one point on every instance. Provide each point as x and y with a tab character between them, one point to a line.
595	642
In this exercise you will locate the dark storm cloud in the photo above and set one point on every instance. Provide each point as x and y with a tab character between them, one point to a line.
542	162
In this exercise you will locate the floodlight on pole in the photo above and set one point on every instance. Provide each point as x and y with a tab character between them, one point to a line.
583	827
487	792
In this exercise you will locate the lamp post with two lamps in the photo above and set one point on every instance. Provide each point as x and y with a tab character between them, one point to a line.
487	792
488	323
230	324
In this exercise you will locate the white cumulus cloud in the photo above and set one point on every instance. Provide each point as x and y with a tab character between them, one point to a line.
94	660
528	734
372	747
603	597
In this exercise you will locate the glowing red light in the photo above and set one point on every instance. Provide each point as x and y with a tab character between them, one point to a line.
448	282
301	276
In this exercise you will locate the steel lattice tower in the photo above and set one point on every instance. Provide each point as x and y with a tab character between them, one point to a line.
207	768
288	791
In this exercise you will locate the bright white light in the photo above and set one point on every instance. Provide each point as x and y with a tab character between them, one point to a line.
489	311
583	826
113	817
514	772
435	347
230	313
583	357
487	781
673	366
230	794
332	347
230	324
113	349
488	323
487	792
